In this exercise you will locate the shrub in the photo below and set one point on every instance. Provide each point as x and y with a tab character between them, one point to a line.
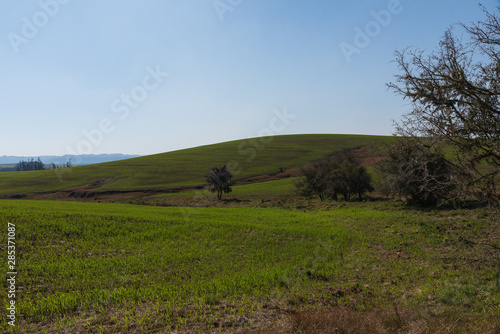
417	172
341	174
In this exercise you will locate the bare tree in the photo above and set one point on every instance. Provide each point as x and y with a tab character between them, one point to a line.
454	93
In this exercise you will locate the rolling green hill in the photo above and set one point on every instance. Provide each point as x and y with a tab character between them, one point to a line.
247	158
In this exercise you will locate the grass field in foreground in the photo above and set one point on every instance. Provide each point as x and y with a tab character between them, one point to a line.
122	268
248	158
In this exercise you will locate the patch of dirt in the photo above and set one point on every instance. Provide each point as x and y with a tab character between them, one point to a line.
368	158
87	193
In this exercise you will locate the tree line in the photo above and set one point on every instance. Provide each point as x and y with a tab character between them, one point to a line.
32	165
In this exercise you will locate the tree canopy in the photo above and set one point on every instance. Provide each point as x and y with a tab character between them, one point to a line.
454	92
219	180
341	174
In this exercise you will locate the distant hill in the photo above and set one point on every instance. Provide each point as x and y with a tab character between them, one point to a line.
87	159
168	172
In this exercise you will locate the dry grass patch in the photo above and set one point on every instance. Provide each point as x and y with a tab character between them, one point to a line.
382	321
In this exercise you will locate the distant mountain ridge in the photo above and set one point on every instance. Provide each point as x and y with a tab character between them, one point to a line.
86	159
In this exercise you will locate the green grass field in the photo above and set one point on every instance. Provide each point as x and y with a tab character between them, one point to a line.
248	158
115	268
247	195
263	260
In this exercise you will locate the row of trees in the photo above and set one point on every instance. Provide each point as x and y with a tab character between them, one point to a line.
31	165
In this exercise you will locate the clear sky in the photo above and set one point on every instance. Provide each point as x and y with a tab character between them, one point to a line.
144	77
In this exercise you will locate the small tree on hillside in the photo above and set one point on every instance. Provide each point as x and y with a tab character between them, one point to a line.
316	180
219	180
349	177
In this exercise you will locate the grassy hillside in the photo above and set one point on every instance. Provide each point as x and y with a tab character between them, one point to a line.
110	268
251	157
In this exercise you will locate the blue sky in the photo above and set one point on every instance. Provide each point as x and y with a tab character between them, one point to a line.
144	77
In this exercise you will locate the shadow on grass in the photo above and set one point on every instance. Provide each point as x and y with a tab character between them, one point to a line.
235	200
